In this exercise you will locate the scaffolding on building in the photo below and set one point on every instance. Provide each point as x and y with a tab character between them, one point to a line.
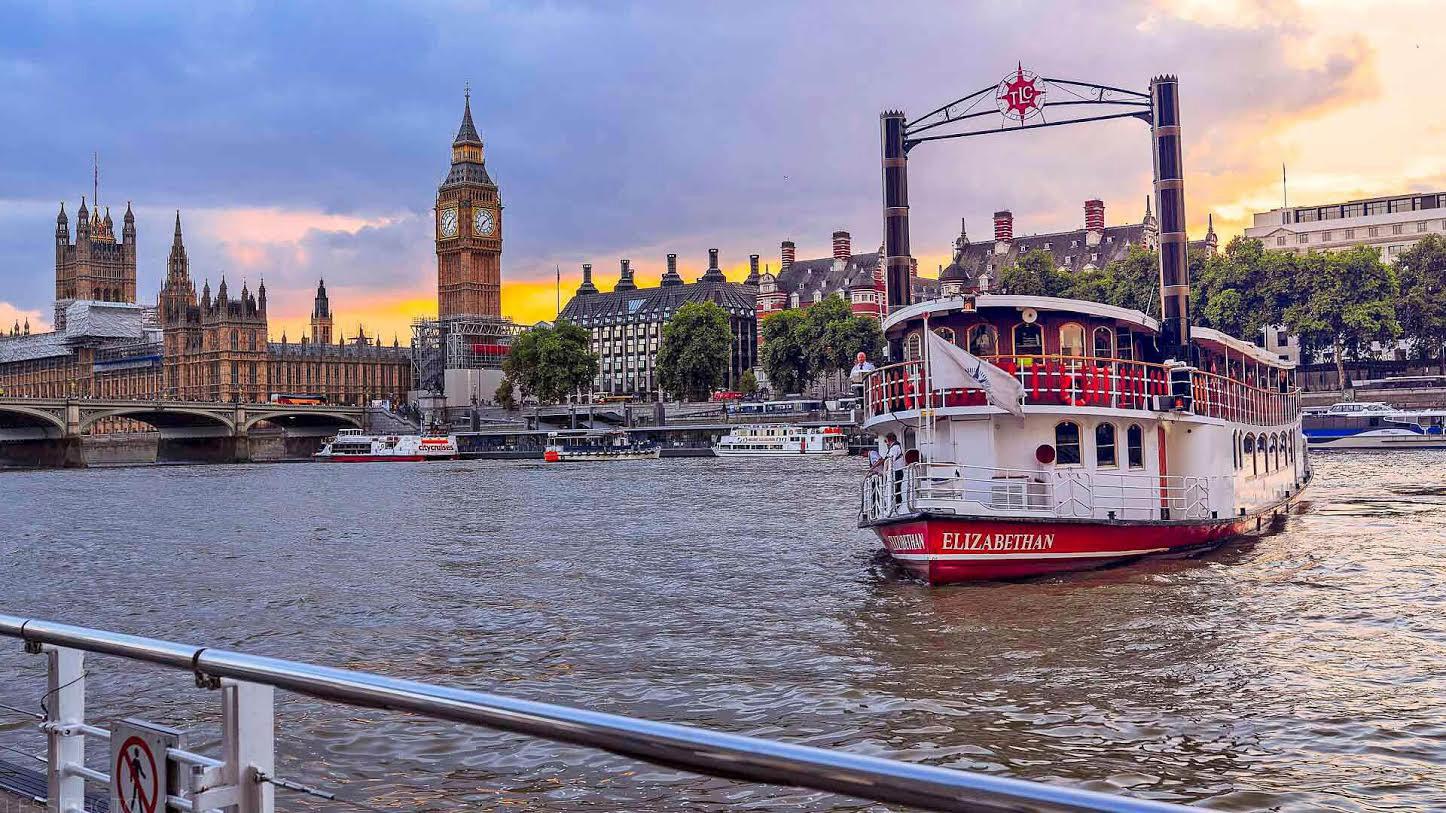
469	343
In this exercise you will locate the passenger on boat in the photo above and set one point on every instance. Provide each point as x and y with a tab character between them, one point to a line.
894	459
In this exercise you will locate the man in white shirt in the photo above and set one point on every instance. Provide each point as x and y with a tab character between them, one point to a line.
862	367
894	461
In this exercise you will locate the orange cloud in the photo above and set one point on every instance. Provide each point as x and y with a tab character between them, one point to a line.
10	315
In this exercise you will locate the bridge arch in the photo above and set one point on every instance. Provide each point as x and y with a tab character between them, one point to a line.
19	420
292	419
165	418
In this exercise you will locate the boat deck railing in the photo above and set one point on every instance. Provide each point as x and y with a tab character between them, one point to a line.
1062	493
243	777
1081	381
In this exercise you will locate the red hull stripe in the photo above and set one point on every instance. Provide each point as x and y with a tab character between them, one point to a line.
391	458
989	557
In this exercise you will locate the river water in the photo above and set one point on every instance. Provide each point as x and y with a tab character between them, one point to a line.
1302	671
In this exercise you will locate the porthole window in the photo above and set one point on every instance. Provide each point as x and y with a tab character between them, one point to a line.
1067	443
1105	446
1135	446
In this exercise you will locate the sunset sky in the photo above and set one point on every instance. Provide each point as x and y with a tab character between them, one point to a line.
307	140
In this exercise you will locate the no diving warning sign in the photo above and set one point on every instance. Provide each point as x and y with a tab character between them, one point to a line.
139	780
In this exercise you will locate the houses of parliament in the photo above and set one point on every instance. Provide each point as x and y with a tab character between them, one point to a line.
215	345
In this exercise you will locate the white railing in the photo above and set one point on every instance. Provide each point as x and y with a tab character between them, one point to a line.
1061	493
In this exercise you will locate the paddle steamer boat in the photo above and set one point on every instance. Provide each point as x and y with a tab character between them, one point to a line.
1042	434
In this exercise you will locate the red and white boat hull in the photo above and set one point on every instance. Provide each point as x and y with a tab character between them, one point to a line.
943	549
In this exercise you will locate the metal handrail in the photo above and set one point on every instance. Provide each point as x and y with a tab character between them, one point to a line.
699	750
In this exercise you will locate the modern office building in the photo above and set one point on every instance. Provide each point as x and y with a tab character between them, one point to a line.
1391	223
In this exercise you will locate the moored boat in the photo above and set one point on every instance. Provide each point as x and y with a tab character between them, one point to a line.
1374	425
1067	440
782	440
581	445
351	446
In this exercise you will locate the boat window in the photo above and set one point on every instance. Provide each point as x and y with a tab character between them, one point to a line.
1105	445
1104	343
1125	341
945	333
1135	446
1028	340
913	348
1273	461
1071	340
983	340
1066	443
1250	450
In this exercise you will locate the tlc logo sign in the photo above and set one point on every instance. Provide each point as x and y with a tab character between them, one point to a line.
1020	95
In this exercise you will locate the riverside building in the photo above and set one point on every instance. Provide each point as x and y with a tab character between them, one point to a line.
856	278
626	323
1392	224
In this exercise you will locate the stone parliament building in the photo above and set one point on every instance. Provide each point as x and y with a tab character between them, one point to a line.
206	348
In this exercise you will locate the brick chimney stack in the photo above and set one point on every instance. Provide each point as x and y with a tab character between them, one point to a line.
786	254
842	249
1094	222
1003	226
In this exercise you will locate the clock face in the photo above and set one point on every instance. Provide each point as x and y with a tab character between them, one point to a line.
447	222
483	223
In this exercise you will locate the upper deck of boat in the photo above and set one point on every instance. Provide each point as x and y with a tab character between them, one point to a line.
1080	355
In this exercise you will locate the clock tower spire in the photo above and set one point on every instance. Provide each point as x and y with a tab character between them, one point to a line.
469	231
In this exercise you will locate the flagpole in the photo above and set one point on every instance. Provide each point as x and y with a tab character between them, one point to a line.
928	387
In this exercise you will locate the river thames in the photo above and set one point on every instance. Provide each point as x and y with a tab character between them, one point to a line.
1305	670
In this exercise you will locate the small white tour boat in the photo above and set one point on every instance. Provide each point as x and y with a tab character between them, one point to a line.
782	440
351	446
577	445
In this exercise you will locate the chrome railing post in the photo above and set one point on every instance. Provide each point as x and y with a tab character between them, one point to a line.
64	715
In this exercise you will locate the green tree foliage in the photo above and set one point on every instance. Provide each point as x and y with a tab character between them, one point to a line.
1134	282
1342	301
748	384
1034	274
801	346
1421	307
785	351
506	395
693	356
1243	289
551	363
834	336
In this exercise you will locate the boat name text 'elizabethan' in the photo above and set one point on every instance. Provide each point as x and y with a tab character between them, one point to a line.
995	542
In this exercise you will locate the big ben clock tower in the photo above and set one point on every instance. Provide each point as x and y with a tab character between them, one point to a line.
469	232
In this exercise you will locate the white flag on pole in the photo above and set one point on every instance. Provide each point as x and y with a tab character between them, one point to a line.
951	367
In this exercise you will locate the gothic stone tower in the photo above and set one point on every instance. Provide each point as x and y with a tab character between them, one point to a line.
95	266
321	316
469	232
180	322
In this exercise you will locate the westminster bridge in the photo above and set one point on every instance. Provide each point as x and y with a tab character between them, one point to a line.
47	432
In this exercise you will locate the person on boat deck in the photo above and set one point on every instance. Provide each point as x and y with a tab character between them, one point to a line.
861	369
894	459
